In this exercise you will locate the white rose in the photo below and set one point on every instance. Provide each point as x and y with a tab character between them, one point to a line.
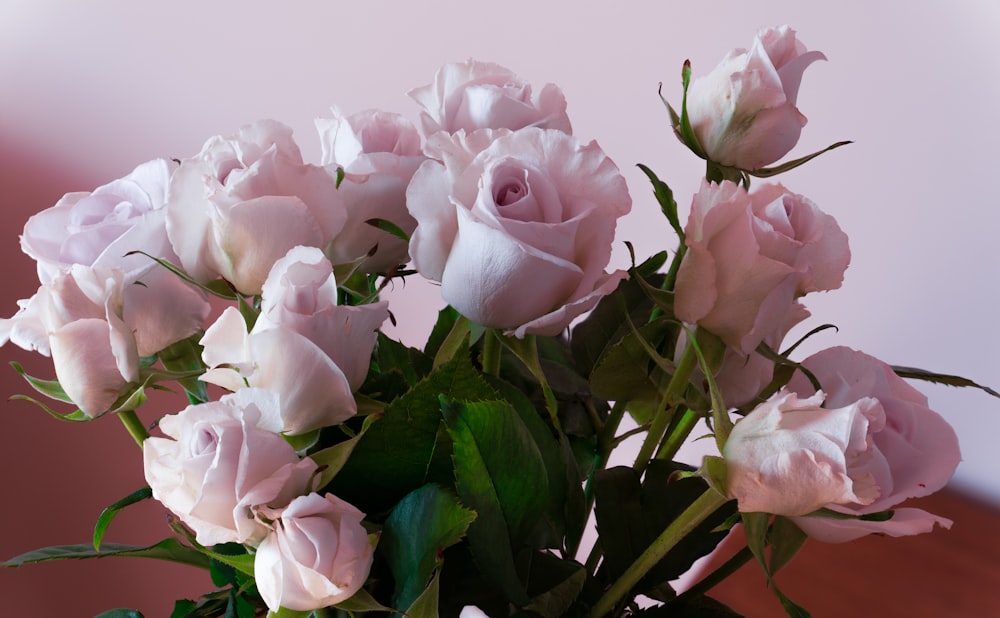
243	202
304	347
790	456
378	152
223	460
317	555
915	454
471	95
99	228
517	226
743	112
77	319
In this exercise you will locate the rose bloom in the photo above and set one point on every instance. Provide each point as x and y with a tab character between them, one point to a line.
378	152
471	95
742	377
790	456
242	202
77	319
318	555
310	351
914	455
750	256
743	113
99	228
517	227
223	460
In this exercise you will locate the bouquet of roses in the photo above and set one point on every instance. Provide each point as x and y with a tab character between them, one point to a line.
323	468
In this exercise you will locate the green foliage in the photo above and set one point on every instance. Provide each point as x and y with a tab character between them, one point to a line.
109	513
169	549
632	513
499	473
408	447
416	533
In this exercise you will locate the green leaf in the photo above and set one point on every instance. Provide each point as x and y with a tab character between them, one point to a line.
421	526
411	433
77	416
786	540
389	227
168	549
50	388
499	473
120	613
715	471
333	458
109	513
940	378
554	584
220	289
665	198
684	130
756	527
631	515
183	608
565	503
426	605
766	172
240	562
362	601
605	326
185	356
626	371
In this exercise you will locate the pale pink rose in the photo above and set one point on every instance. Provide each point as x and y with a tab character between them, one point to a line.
221	462
481	95
915	454
378	152
750	256
743	112
317	555
99	228
77	319
244	201
517	227
790	456
304	347
742	377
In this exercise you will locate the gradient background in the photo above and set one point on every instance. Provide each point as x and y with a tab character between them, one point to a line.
89	90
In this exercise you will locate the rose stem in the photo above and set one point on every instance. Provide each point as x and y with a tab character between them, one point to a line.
134	426
705	505
491	353
678	382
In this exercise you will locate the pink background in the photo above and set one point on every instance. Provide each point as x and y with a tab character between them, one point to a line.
89	90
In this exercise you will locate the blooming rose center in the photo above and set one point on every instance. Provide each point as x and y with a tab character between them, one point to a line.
206	440
104	209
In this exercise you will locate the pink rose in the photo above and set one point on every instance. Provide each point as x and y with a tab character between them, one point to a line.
517	226
915	454
791	456
77	319
743	112
317	555
481	95
378	152
310	351
742	377
242	202
750	256
98	229
223	461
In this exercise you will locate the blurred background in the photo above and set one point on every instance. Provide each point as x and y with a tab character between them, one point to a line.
90	90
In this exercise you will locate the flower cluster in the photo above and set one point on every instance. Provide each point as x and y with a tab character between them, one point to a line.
340	468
